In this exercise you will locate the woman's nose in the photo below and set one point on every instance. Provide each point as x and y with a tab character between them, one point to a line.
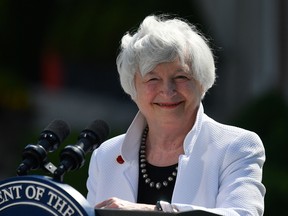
168	88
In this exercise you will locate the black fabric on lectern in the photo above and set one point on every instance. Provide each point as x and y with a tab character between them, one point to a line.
116	212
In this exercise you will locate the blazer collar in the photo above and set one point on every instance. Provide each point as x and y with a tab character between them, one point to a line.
133	135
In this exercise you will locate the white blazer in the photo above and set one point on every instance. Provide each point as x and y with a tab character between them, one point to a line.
220	171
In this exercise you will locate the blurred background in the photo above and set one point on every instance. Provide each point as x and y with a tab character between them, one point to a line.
57	61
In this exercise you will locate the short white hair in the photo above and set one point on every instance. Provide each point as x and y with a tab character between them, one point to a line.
160	40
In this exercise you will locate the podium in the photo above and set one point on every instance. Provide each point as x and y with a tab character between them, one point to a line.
33	195
41	195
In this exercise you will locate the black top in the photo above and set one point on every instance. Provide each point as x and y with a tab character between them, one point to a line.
150	195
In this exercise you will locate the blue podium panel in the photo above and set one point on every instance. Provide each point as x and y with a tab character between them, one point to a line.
40	195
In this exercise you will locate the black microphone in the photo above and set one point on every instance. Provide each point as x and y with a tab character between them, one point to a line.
49	140
72	157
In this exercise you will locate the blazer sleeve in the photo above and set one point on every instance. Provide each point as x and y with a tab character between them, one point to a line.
92	181
240	189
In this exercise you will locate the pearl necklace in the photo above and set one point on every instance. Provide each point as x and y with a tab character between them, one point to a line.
143	164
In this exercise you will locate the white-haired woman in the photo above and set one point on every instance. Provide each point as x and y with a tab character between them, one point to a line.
174	157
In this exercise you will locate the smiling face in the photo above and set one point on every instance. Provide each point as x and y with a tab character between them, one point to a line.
168	95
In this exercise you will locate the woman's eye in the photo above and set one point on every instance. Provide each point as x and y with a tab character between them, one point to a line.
152	79
182	77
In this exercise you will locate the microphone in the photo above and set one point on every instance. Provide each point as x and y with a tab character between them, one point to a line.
72	157
49	140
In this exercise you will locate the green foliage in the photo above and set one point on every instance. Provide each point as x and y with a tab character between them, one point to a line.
14	94
94	28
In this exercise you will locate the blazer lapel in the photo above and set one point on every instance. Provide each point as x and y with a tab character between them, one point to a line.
131	174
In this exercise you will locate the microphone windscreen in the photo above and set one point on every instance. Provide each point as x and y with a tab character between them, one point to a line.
60	128
100	129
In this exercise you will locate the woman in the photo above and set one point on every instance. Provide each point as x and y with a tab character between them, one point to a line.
173	154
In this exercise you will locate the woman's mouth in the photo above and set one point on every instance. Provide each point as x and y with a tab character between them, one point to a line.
168	105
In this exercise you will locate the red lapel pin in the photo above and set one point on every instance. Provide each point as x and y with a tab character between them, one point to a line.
120	160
